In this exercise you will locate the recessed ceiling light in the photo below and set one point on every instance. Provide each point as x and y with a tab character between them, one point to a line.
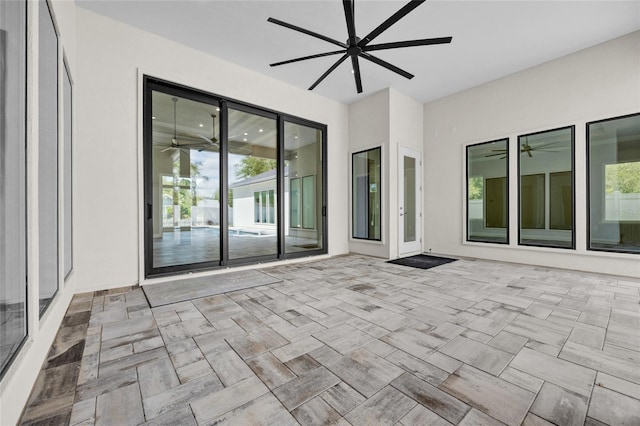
295	137
153	118
246	134
261	130
244	139
217	109
201	125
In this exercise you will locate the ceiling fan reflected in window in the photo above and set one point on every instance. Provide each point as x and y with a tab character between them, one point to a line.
190	142
524	148
356	47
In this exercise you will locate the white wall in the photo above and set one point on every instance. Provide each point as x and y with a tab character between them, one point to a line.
596	83
18	381
369	128
389	119
112	59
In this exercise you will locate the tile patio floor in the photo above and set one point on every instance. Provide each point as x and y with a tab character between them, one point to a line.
355	340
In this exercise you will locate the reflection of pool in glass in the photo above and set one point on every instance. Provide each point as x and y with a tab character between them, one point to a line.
213	231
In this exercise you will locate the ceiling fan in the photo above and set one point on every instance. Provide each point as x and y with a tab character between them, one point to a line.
525	147
356	47
200	146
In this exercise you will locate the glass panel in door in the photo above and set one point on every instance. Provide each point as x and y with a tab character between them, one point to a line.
186	181
303	188
409	199
252	185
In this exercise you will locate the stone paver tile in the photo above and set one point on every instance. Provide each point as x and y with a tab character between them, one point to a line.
386	407
508	342
156	377
54	410
414	342
119	365
148	344
602	361
297	348
478	418
270	370
192	371
557	371
419	416
443	362
120	406
127	327
316	412
180	416
524	380
178	347
493	396
83	411
422	370
431	397
182	330
481	356
228	365
55	382
187	357
539	330
257	342
116	353
342	397
533	420
265	410
215	404
343	338
364	371
302	364
129	338
560	406
618	385
613	408
544	348
301	389
180	395
379	348
98	386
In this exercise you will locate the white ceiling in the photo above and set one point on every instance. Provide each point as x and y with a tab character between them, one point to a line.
491	39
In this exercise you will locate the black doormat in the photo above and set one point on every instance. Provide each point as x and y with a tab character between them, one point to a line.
422	261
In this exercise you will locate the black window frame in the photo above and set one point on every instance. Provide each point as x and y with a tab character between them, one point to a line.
588	185
466	185
573	190
353	156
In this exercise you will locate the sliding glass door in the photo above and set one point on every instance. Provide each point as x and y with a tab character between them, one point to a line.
227	183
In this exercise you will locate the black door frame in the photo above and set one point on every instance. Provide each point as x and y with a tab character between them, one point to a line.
152	84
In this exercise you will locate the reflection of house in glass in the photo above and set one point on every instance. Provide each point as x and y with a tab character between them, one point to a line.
254	204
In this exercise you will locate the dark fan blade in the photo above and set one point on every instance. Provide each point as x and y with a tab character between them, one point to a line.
356	72
494	155
529	154
307	32
390	21
304	58
386	65
349	16
409	43
333	67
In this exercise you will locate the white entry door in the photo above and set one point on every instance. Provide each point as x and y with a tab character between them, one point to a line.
410	201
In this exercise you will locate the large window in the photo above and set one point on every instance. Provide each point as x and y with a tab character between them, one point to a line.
67	93
614	184
219	180
487	192
47	156
13	262
545	164
366	195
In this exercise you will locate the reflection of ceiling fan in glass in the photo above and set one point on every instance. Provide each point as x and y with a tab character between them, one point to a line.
198	141
525	147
